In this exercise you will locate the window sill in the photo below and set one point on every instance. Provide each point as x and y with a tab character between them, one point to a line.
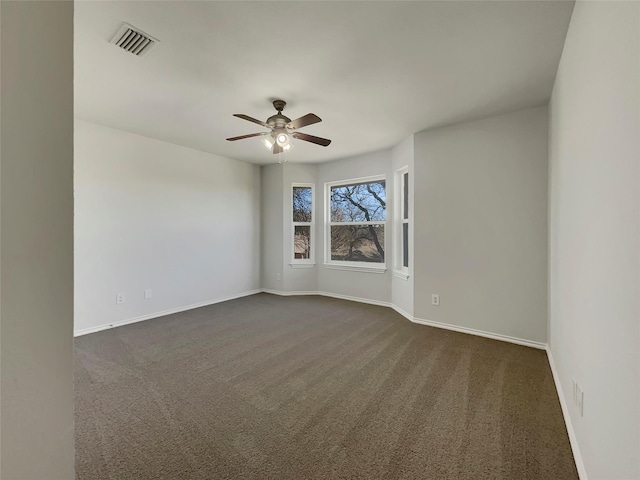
356	268
401	275
302	265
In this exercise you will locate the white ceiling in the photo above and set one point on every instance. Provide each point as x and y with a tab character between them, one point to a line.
375	72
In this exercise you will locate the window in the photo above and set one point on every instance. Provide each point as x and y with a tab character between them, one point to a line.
356	224
302	221
401	223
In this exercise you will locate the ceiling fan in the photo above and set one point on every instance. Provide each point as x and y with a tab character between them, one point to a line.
283	129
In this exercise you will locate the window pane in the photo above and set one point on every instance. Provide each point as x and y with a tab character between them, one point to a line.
357	243
363	202
405	244
302	242
405	182
302	203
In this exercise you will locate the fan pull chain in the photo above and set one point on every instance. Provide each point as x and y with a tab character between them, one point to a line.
282	159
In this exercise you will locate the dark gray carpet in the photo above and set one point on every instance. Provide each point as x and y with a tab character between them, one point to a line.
268	387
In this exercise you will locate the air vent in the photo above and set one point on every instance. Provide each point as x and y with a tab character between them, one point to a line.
133	40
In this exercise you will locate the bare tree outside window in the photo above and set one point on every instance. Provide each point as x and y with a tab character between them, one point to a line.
302	203
358	215
302	221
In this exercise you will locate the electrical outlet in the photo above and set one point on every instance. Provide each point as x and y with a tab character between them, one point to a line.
278	276
148	293
120	298
435	299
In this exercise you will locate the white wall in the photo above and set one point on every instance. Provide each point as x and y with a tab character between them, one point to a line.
369	286
402	289
595	233
151	214
481	224
271	244
36	260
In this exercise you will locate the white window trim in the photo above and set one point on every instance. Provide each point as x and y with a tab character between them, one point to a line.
303	262
302	265
401	275
365	267
399	270
356	267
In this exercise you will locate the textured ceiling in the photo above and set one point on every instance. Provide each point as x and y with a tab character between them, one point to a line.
375	72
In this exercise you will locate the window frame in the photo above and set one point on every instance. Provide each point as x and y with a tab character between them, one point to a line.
303	262
399	220
367	267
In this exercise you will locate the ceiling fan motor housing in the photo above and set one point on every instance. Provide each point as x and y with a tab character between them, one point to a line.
278	123
278	120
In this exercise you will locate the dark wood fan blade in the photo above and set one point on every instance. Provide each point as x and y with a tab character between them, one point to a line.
233	139
308	119
277	148
251	119
311	138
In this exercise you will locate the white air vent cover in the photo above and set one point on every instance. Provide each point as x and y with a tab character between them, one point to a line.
133	40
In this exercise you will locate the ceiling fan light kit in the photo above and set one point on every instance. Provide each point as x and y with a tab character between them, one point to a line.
268	142
283	139
283	129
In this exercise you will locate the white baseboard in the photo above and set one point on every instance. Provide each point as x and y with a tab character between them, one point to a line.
402	312
328	294
369	301
85	331
481	333
408	316
286	294
355	299
575	448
